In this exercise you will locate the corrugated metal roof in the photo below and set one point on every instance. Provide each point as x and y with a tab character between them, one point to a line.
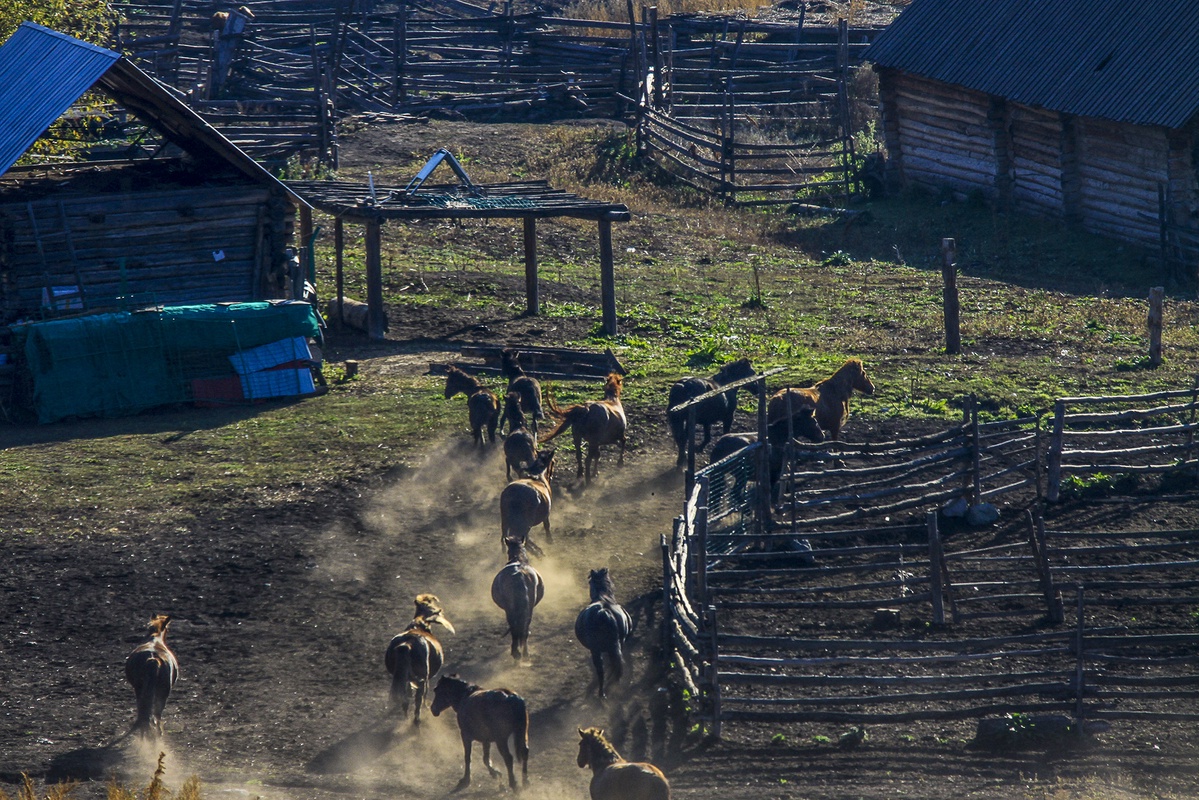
42	72
1131	62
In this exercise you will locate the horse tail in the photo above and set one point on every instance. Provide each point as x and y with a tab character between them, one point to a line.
520	734
401	678
678	420
520	615
568	417
145	724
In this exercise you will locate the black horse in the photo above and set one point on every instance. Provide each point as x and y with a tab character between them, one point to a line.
715	409
527	387
603	626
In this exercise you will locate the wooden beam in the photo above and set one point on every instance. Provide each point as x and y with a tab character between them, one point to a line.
607	277
339	246
532	300
376	315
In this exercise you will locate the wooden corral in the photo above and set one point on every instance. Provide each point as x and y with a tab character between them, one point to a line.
981	99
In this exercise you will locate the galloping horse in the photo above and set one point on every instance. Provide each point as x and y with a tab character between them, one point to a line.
599	422
527	387
829	397
517	588
603	626
488	716
415	656
152	670
715	409
526	502
520	446
480	402
613	778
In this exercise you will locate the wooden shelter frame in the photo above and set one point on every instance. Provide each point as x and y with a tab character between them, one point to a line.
373	205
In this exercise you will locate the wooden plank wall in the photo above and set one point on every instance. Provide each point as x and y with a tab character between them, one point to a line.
945	135
1036	159
1120	167
166	239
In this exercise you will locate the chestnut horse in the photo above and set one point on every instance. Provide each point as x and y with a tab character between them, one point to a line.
526	502
603	626
829	398
517	588
613	778
526	386
520	446
480	402
152	670
599	422
414	656
715	409
488	716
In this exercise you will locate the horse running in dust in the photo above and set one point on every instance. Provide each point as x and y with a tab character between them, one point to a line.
613	778
829	398
414	656
525	385
520	446
489	716
480	403
526	502
598	422
152	670
603	626
715	409
518	588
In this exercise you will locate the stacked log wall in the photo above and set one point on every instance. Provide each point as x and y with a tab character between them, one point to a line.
159	246
945	135
1036	159
1120	167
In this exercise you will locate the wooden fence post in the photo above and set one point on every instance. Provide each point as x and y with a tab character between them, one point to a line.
376	313
532	296
656	52
1156	296
765	505
667	606
339	246
1056	443
714	675
934	568
949	295
1053	600
1080	665
690	476
1039	466
976	452
701	546
607	277
843	104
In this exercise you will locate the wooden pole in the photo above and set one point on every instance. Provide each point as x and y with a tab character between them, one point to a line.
934	568
1156	297
402	52
656	52
976	452
532	298
376	314
339	246
765	505
690	478
714	675
607	277
1080	665
1057	440
949	294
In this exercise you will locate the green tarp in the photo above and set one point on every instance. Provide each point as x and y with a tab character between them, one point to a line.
116	364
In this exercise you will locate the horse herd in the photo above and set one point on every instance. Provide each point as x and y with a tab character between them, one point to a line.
414	657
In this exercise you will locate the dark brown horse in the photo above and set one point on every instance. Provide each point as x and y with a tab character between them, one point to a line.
598	422
526	386
480	403
520	446
518	588
414	656
603	626
715	409
489	716
829	397
613	778
802	424
151	670
526	502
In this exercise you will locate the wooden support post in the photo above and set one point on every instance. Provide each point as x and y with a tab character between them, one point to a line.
667	607
1080	665
376	314
935	574
714	676
656	53
305	227
1057	440
690	478
1156	297
701	543
532	299
339	246
765	505
949	294
976	453
607	277
1053	598
402	47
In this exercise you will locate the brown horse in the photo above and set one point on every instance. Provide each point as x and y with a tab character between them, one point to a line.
613	778
488	716
480	403
526	502
599	422
152	670
517	588
520	446
829	398
414	656
526	386
715	409
603	626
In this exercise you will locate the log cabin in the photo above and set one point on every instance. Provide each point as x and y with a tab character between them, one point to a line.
1083	110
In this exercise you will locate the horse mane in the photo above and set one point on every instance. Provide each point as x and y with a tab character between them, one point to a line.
455	376
456	678
158	625
513	411
510	363
600	584
613	385
596	737
839	377
520	556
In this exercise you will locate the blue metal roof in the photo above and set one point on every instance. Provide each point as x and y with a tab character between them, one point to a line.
42	72
1131	62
